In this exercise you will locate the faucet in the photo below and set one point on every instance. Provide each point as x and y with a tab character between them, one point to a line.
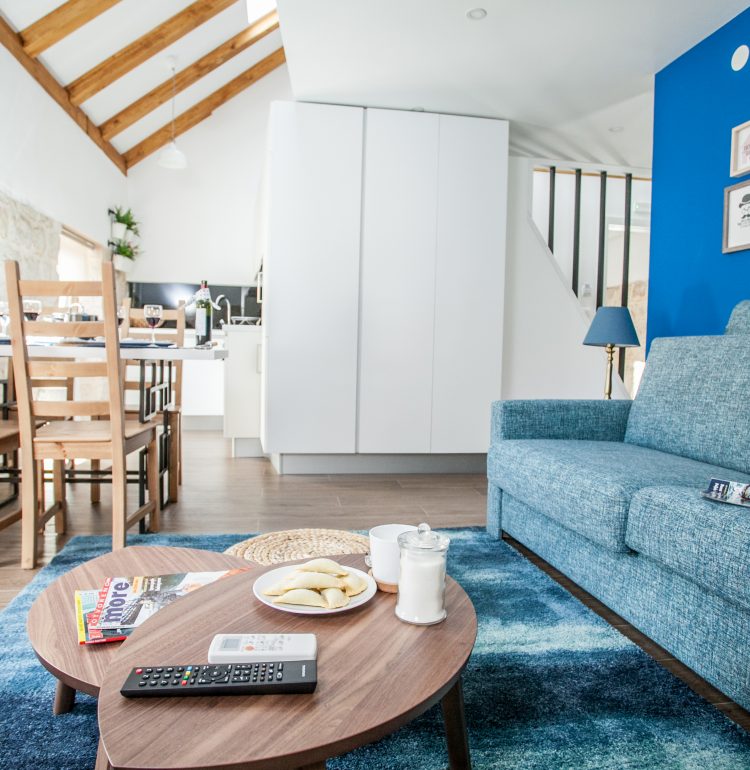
217	304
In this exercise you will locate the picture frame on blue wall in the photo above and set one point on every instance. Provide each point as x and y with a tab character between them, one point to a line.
736	218
740	162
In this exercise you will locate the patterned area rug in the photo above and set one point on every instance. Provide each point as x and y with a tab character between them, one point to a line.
550	685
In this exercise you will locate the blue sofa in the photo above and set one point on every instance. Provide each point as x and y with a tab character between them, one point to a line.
608	493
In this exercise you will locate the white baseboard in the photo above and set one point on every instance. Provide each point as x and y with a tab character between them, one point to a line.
202	422
367	463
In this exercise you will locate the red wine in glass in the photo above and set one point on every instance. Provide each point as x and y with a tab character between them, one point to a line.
152	322
31	316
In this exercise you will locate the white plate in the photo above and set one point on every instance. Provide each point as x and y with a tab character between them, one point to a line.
277	575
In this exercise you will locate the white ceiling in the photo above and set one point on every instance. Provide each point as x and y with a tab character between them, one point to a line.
121	25
563	73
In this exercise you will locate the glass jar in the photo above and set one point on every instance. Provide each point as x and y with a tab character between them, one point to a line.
421	582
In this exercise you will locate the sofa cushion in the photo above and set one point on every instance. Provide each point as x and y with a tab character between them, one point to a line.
693	400
739	321
587	485
702	540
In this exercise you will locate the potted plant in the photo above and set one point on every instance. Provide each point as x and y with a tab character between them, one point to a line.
124	254
123	221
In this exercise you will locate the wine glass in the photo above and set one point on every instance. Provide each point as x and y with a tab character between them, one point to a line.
31	309
152	314
4	318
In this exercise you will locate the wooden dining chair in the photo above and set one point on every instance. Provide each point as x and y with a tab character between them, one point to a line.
66	435
134	327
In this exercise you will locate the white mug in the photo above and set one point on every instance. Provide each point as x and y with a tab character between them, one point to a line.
384	551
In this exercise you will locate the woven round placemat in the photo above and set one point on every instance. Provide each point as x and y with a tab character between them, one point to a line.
291	544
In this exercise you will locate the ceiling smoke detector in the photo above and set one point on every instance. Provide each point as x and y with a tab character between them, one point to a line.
476	14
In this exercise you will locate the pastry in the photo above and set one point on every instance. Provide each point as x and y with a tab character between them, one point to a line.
353	584
335	597
302	596
324	565
314	580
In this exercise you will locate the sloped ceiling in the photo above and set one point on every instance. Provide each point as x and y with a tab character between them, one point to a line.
563	72
121	24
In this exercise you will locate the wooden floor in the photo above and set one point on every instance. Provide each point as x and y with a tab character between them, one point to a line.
221	494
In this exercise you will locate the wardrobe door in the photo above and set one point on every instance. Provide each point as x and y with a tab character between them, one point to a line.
311	278
397	289
469	281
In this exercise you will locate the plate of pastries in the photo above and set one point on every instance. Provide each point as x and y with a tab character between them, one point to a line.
317	587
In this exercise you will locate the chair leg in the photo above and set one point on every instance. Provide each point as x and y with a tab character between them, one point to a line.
41	496
174	457
30	513
152	473
119	502
96	487
61	504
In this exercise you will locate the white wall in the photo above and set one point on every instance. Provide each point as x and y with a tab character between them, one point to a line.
46	160
544	325
200	222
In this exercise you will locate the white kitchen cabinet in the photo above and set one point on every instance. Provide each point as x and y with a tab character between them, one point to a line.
242	373
311	278
399	222
469	281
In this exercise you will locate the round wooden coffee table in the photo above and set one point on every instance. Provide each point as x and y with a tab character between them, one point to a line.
52	627
375	674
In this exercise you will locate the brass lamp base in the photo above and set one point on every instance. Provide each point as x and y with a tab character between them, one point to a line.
608	376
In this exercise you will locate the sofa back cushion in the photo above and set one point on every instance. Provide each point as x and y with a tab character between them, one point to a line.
694	400
739	321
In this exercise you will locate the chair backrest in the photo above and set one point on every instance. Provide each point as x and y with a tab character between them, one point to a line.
134	327
29	371
693	400
739	321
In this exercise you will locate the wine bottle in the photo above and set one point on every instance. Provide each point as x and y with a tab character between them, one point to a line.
203	308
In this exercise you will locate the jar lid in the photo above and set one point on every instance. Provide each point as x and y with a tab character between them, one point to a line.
423	539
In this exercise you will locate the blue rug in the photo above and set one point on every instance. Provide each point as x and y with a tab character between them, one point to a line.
550	685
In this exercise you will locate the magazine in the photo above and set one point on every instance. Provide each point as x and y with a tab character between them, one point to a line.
733	492
123	603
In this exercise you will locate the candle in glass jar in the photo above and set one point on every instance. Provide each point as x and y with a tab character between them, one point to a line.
421	588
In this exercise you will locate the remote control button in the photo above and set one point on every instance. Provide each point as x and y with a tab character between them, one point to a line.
160	669
153	683
281	666
142	684
183	682
180	668
139	671
278	676
170	669
149	670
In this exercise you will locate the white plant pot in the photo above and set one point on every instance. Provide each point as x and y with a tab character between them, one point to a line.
123	264
118	231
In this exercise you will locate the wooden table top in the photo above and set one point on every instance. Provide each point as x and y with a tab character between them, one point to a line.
375	673
51	623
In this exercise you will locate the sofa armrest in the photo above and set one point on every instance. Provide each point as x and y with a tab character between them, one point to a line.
587	420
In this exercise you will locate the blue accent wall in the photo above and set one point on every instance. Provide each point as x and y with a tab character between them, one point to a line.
699	99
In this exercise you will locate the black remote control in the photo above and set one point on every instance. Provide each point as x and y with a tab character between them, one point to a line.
257	678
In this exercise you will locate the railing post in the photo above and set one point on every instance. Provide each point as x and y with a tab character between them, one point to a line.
600	277
577	232
551	222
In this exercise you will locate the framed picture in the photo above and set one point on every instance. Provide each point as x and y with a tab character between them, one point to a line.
740	164
737	217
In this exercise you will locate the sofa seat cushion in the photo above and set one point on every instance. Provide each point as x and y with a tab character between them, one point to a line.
587	485
704	541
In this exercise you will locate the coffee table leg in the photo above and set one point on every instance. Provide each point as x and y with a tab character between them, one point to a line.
455	728
65	698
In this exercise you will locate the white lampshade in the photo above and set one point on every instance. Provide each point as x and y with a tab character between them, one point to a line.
172	157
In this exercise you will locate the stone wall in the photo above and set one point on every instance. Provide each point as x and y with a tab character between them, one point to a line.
30	237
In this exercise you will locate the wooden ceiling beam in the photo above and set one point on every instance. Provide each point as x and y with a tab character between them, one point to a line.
128	58
203	109
60	22
12	41
163	93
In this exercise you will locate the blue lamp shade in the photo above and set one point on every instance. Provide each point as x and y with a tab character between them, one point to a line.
612	326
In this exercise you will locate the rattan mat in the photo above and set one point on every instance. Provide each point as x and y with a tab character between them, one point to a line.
291	544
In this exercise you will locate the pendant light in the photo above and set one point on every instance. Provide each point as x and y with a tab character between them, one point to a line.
172	156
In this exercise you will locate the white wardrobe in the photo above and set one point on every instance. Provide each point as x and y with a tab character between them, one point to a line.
384	281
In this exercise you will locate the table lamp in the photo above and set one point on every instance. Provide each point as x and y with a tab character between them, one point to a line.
611	328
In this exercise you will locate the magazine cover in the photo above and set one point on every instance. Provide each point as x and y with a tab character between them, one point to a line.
734	492
86	604
123	603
